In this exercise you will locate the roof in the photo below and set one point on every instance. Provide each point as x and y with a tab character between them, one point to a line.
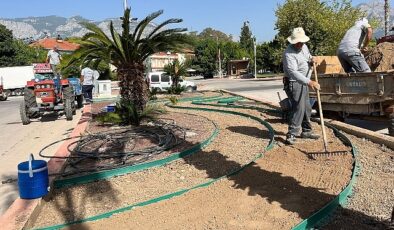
237	61
49	43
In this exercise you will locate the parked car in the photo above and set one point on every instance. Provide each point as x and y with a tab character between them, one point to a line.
162	82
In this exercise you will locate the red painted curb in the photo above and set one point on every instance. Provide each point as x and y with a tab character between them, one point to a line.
20	211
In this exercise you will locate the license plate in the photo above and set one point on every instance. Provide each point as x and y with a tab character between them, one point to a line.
44	94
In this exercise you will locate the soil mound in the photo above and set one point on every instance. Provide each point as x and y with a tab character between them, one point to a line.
381	58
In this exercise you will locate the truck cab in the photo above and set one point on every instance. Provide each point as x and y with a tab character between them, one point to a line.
162	82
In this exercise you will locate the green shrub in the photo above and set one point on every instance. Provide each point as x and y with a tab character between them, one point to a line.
176	89
152	94
129	114
112	118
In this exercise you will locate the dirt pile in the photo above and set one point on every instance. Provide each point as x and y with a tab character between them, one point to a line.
381	57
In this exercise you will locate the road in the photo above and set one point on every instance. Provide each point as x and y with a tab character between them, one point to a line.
267	90
17	141
260	88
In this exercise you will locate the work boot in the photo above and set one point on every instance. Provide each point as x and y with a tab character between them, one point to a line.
290	140
309	135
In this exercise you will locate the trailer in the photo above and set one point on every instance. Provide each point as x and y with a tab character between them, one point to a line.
15	78
3	96
363	94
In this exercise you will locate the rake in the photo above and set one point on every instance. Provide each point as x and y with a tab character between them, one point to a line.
326	152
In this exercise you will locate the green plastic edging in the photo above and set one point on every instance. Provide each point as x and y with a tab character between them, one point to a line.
180	192
308	223
341	199
61	183
135	168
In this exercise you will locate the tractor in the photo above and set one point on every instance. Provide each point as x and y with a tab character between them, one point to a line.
48	93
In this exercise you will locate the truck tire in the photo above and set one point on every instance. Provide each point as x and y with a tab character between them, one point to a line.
68	93
68	109
69	102
3	98
18	92
24	114
189	89
391	125
79	101
30	102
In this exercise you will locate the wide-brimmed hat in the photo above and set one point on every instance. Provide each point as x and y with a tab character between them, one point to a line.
298	35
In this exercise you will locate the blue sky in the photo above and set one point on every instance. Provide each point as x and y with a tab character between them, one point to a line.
225	15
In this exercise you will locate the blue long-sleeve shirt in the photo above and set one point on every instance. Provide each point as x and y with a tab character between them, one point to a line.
296	64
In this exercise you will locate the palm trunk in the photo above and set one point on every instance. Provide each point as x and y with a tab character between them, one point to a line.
133	86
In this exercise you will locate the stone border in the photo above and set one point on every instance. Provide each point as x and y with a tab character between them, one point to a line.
353	130
20	211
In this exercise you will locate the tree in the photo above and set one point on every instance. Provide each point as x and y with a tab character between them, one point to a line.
269	55
205	56
7	49
128	51
208	33
246	39
176	70
325	22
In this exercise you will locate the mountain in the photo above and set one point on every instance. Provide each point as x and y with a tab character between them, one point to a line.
39	27
375	10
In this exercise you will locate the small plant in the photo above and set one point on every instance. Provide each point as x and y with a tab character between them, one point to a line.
173	100
112	118
176	89
153	94
129	114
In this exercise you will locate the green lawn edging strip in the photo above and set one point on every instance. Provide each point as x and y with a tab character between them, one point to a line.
180	192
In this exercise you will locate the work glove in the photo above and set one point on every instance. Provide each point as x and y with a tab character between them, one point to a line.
314	85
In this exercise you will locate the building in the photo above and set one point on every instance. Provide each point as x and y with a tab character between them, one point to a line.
236	68
62	45
157	61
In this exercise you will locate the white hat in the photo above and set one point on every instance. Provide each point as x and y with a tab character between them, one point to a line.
298	35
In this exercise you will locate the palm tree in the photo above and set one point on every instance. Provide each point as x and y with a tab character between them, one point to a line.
128	51
176	70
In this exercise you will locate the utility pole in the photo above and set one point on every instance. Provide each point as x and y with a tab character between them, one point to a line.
386	17
255	64
220	62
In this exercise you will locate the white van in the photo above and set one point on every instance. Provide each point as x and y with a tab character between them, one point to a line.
163	82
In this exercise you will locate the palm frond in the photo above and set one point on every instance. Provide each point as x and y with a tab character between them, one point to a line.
142	25
163	24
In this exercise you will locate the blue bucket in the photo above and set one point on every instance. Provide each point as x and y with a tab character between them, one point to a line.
33	178
110	108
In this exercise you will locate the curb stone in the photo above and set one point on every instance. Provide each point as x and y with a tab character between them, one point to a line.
18	214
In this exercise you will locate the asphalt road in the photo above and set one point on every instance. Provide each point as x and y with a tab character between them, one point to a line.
17	141
267	90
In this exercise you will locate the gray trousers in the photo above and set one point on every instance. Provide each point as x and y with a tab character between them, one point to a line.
301	109
353	62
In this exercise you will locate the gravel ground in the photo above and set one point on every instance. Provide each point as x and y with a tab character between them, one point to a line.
372	202
94	198
275	192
